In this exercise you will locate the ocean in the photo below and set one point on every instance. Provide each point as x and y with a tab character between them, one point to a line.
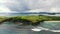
46	28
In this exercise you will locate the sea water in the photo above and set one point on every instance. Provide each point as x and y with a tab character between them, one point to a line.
10	28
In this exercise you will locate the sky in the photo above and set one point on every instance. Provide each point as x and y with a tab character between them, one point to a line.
16	6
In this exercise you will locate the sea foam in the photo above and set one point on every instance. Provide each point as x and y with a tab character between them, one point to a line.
42	28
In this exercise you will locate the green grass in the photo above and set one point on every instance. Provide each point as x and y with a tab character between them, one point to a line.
33	19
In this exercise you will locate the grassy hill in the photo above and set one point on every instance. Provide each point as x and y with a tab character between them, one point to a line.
32	19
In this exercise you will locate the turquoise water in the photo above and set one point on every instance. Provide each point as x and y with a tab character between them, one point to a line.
9	28
52	25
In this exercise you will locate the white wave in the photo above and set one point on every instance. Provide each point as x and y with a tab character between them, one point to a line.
35	29
46	29
55	30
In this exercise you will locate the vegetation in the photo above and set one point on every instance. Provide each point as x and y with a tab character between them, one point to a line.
30	19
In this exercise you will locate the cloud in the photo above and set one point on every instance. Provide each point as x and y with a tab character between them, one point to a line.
37	10
32	5
55	10
4	9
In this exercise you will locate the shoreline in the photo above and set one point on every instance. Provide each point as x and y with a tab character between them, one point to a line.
51	21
